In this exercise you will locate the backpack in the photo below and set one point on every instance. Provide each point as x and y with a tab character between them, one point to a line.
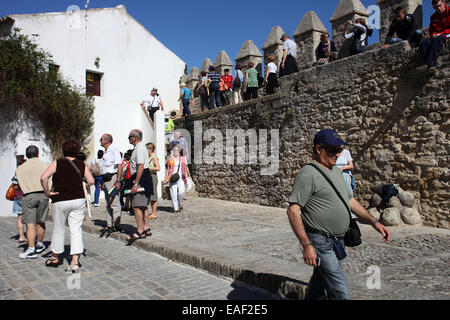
96	169
237	82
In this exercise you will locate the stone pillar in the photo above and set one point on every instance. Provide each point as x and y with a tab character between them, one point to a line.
249	52
223	62
192	79
273	45
307	36
205	65
387	8
346	10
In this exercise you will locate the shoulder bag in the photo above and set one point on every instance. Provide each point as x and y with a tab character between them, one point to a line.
11	193
352	237
176	176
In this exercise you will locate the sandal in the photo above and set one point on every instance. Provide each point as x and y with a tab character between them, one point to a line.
71	267
148	232
53	262
135	236
151	217
22	240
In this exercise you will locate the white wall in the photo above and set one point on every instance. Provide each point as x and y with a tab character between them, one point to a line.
131	59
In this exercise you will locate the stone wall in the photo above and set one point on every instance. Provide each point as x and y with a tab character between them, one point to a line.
394	117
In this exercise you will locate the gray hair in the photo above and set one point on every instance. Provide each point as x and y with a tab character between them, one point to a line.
32	152
108	137
137	133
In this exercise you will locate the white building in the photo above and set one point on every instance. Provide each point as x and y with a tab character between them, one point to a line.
117	59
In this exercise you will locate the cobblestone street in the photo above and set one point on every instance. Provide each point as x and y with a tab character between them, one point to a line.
109	270
248	243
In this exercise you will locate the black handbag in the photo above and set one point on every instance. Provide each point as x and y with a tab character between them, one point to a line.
352	237
176	176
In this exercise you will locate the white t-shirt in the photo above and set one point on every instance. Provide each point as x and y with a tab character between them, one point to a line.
139	156
291	47
111	159
344	159
272	67
152	101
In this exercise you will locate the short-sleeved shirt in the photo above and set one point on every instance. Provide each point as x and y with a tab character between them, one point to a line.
321	208
291	47
139	156
214	77
252	78
343	159
187	93
111	159
153	101
272	67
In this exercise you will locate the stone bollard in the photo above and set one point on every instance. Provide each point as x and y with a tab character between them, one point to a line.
307	35
223	62
346	10
273	45
249	52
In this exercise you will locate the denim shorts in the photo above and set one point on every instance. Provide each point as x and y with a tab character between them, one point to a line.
17	207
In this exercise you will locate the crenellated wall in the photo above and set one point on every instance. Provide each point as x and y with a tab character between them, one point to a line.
395	118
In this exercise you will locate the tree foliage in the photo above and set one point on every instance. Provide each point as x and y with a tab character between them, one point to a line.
30	88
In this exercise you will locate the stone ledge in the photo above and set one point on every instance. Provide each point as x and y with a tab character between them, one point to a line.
229	108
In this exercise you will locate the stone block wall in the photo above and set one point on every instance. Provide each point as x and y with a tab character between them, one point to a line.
395	118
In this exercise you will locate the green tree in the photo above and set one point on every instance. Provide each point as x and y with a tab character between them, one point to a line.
31	89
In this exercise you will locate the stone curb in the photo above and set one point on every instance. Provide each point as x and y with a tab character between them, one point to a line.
275	284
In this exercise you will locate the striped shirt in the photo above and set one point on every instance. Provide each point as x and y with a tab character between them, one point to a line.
214	77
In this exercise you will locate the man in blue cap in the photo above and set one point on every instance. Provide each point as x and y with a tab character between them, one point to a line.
320	219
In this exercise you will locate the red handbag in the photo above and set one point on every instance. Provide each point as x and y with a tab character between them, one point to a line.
10	194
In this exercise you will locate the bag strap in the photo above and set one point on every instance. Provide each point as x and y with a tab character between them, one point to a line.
334	188
76	168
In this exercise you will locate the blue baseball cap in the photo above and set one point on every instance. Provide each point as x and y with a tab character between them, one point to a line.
330	137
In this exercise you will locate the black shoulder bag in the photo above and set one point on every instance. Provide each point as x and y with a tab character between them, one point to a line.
176	176
352	237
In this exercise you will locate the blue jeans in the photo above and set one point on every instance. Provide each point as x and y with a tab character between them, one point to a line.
431	50
415	38
186	110
98	182
328	279
214	95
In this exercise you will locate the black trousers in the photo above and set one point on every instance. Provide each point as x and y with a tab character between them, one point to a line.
252	93
431	50
151	112
290	66
272	83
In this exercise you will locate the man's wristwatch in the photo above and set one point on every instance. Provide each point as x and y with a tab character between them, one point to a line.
374	222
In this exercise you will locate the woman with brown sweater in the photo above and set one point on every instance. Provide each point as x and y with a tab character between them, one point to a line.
69	202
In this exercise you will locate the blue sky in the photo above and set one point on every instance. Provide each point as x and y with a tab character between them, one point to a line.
199	29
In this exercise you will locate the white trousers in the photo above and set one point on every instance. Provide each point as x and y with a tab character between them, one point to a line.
237	95
177	191
73	211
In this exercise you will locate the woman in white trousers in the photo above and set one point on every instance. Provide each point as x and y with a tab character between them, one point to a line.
69	203
177	165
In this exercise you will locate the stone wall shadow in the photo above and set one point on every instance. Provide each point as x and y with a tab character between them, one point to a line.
410	86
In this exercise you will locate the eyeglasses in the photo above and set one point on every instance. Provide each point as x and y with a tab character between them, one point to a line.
334	150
